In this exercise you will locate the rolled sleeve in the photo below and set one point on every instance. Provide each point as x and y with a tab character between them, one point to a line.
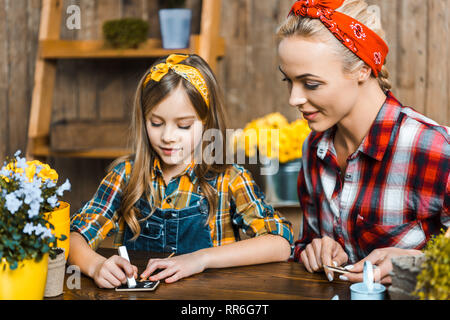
98	218
253	215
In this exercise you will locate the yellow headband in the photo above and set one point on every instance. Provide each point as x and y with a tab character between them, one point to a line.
189	73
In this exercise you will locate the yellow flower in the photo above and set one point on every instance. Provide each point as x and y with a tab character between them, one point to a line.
45	173
286	143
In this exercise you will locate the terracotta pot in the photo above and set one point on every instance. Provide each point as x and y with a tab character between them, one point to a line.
55	275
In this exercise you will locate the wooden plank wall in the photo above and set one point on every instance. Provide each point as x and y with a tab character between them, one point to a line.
417	33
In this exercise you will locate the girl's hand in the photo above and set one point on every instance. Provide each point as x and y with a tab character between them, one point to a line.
381	259
113	272
323	252
175	268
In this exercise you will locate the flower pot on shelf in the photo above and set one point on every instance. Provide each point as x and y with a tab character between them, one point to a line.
26	282
281	185
175	27
55	275
60	219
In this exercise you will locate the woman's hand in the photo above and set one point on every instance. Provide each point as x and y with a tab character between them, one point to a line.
323	252
113	272
175	268
381	259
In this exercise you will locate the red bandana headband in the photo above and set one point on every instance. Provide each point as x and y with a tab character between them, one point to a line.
361	40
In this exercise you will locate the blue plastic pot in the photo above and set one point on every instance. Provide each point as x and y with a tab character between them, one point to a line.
175	28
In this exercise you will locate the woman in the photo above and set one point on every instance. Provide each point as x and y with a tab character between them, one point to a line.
374	181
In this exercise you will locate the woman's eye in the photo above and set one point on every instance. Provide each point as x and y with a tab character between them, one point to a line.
154	124
286	80
312	85
185	127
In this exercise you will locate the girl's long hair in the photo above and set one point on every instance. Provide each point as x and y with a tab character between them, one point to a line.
143	155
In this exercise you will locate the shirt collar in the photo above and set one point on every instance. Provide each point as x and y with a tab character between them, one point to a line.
379	137
377	140
189	170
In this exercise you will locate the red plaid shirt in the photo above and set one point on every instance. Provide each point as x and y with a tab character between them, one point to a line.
395	191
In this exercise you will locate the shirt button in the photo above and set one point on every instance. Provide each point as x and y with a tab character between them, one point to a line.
169	249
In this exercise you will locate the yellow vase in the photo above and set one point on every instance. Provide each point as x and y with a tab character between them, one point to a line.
27	282
60	219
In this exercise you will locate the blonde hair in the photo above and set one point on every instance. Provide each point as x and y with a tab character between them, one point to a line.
314	28
213	117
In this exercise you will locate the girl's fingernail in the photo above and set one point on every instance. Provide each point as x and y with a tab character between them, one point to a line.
335	264
330	277
349	267
343	278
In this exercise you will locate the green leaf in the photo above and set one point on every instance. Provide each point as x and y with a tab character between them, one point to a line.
16	236
13	265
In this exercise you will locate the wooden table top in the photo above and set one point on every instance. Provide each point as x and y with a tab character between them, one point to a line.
271	281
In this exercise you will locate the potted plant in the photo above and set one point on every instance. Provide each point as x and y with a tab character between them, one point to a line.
125	33
433	282
279	144
28	192
175	24
424	276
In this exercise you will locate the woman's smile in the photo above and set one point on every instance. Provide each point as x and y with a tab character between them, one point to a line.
310	116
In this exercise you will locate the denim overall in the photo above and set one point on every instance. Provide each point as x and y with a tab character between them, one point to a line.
170	230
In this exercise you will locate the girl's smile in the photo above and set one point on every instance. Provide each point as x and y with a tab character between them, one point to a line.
170	151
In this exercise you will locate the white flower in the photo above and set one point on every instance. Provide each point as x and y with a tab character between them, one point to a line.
5	172
64	187
53	201
49	183
38	230
34	208
21	163
12	202
29	228
31	191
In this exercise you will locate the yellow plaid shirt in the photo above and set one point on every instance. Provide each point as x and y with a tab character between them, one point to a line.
240	205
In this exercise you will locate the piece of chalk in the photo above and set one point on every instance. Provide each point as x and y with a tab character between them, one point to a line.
124	254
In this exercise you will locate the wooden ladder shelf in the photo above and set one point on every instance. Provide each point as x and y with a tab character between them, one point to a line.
208	44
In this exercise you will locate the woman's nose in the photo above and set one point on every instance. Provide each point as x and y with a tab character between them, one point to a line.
297	97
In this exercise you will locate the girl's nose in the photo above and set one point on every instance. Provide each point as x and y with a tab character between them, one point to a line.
168	135
297	97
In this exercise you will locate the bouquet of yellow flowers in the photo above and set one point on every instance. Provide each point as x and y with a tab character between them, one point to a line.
274	137
28	192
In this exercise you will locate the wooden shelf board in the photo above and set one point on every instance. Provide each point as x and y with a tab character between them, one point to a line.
91	153
96	49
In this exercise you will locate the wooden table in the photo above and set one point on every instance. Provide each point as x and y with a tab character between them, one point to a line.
271	281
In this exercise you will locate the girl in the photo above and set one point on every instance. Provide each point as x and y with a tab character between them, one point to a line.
167	198
374	181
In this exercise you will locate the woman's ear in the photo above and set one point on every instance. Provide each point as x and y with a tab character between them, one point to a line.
364	73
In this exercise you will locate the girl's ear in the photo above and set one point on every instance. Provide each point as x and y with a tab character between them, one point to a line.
364	73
